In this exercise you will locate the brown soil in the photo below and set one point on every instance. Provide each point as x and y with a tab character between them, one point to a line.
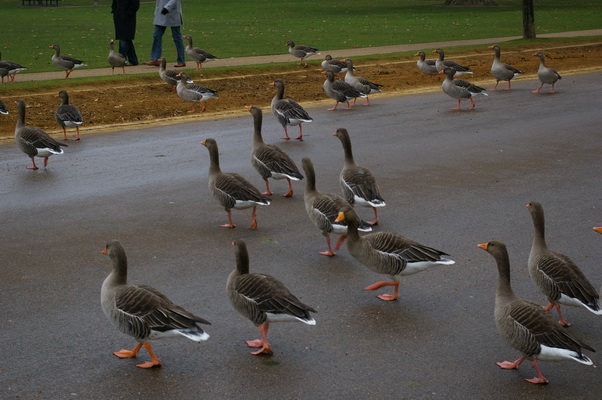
145	100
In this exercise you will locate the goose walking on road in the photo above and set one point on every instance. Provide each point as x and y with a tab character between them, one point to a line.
501	71
34	141
288	111
388	253
555	274
231	189
340	91
270	160
360	84
142	311
263	299
526	326
460	89
546	75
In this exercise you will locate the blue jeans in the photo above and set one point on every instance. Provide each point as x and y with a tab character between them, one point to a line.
158	42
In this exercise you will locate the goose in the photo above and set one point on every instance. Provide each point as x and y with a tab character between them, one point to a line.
322	209
231	189
556	275
360	84
270	160
68	115
341	91
427	67
262	299
441	63
3	109
197	55
169	76
12	68
545	74
188	91
115	59
333	65
388	253
142	311
301	52
501	71
34	141
527	327
460	89
358	183
288	111
65	62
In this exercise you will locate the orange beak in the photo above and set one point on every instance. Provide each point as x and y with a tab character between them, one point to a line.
104	251
247	107
204	142
483	245
340	217
598	229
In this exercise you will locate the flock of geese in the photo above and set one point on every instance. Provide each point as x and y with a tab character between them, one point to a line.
146	314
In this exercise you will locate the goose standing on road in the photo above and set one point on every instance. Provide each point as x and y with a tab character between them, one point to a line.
340	91
270	160
231	189
555	274
460	89
501	71
34	141
288	111
66	63
358	183
142	311
263	299
526	326
388	253
68	115
545	74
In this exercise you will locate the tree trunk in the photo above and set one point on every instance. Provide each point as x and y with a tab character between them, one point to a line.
528	20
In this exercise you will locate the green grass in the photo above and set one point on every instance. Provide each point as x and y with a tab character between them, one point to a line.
232	28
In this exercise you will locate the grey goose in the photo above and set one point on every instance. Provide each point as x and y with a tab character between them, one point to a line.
115	59
427	67
555	274
388	253
301	51
33	141
500	70
322	209
526	326
459	88
169	76
11	68
340	91
199	56
262	299
187	90
288	111
359	83
142	311
358	184
231	189
270	160
441	63
66	63
545	74
68	115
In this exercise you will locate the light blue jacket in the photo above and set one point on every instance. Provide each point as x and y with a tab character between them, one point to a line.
173	17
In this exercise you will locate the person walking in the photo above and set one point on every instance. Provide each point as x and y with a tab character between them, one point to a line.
167	13
124	19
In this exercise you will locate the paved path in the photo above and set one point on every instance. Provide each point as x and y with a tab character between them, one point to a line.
282	58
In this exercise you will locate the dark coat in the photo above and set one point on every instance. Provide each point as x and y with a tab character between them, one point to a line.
124	18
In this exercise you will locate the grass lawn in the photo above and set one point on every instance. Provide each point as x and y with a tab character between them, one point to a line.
232	28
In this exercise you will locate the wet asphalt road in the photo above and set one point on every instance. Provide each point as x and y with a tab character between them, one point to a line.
451	180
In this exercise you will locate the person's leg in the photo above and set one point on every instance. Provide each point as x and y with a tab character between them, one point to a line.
177	39
157	42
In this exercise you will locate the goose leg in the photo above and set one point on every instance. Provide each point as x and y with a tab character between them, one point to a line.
457	108
65	134
335	106
472	104
540	378
267	192
300	137
538	89
77	130
509	86
510	364
192	109
495	87
367	103
229	224
375	222
342	238
385	296
561	321
254	218
34	166
262	343
328	253
552	91
67	73
155	362
290	189
286	137
128	353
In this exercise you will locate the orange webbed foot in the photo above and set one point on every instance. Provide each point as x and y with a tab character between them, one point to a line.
125	353
507	365
388	297
150	364
230	226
